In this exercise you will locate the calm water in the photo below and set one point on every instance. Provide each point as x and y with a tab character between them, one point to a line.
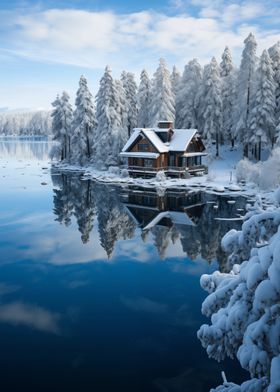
99	285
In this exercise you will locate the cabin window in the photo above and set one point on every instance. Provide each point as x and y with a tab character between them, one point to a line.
148	163
143	147
171	160
135	162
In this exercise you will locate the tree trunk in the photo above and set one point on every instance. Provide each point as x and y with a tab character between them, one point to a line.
88	146
245	150
217	143
260	150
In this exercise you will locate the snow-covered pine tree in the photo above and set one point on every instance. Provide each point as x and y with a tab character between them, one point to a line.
144	100
84	125
262	115
66	113
56	129
130	89
175	80
211	104
186	103
274	53
122	110
228	77
107	141
163	102
245	91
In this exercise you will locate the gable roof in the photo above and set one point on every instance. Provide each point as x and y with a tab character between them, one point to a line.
179	141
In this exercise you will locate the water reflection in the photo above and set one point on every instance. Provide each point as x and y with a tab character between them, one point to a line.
25	148
71	320
190	218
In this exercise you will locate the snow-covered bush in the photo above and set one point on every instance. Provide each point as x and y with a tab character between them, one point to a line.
244	305
270	171
248	171
114	170
124	173
264	174
160	176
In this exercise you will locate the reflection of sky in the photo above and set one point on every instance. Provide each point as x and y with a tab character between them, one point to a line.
108	324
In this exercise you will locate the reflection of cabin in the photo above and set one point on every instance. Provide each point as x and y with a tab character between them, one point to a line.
177	152
147	209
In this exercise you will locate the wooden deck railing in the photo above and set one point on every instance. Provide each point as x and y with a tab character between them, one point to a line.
174	169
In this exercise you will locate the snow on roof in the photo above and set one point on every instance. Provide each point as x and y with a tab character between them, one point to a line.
179	141
194	154
132	139
177	217
151	155
155	140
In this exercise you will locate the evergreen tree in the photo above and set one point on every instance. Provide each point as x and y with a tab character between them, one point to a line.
186	103
130	89
228	76
163	103
262	118
57	126
274	53
175	80
84	124
108	143
144	100
66	123
122	110
245	91
211	105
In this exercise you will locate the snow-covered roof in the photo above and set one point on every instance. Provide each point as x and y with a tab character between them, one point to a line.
194	154
132	139
177	217
155	140
132	154
179	141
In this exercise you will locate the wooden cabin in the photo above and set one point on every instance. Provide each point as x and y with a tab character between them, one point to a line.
176	152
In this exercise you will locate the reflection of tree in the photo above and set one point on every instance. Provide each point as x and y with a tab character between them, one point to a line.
163	236
28	148
113	222
190	218
62	200
84	199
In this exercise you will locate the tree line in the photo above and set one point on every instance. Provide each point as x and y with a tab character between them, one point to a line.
37	123
225	103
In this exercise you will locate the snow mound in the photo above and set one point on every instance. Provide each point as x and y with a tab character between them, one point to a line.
234	187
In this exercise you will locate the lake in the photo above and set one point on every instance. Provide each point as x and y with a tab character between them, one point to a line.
99	284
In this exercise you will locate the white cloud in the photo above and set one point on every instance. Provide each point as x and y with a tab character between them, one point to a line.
131	41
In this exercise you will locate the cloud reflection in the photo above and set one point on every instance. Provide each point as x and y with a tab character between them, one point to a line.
33	316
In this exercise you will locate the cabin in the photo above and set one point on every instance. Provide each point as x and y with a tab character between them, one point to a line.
176	152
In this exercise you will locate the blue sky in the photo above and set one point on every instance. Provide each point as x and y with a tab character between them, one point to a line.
47	45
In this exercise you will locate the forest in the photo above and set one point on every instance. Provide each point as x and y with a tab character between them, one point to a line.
227	104
32	123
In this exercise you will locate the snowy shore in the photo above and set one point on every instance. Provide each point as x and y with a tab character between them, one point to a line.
221	178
